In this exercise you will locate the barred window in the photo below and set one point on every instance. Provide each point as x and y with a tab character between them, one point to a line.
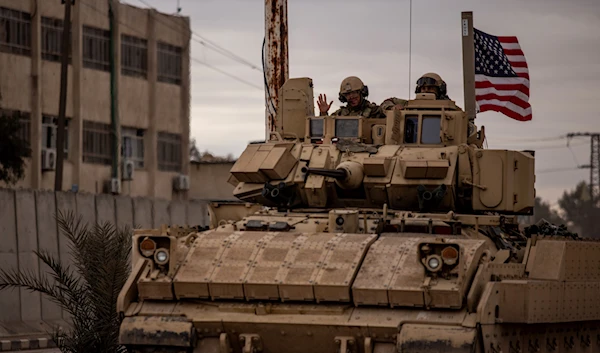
133	145
50	131
169	63
96	143
52	31
24	120
96	48
169	152
15	32
134	56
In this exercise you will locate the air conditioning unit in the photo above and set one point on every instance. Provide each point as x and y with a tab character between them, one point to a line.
128	169
181	182
48	159
115	186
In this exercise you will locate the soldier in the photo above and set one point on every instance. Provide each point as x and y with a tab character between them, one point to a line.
432	83
428	83
354	92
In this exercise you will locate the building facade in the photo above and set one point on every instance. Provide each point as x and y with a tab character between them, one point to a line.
151	95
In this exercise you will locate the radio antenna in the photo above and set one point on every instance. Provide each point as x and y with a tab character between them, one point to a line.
409	48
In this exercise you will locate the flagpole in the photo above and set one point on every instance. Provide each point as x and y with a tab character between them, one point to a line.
468	47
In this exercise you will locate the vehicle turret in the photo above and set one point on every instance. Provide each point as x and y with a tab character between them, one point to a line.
426	157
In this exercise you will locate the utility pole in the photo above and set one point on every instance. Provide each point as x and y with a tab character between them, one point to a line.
62	105
594	162
276	66
468	49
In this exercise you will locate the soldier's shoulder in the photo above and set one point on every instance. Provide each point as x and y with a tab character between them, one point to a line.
340	112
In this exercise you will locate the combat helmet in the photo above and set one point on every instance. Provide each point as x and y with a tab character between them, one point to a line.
351	84
432	79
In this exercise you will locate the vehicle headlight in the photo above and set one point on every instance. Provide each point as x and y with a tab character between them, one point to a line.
161	256
147	247
450	255
434	263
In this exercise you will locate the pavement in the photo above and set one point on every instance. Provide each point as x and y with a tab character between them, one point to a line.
20	336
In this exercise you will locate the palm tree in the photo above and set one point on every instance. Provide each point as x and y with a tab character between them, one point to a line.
87	290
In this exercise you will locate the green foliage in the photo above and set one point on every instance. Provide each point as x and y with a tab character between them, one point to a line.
88	289
542	210
13	149
581	211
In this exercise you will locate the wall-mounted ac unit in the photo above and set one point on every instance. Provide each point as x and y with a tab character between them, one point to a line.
115	186
48	159
128	169
181	182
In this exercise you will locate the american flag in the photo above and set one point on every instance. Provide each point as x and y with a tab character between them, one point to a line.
501	76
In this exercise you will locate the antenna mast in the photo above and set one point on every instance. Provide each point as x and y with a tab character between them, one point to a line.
409	48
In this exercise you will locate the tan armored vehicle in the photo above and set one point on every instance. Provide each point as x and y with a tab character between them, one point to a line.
367	236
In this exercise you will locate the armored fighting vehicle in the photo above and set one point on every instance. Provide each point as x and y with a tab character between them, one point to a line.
397	234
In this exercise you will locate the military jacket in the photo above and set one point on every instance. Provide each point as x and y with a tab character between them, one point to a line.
366	109
391	102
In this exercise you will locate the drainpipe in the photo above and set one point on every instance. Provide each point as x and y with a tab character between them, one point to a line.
114	89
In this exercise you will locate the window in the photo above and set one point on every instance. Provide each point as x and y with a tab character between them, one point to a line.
96	143
134	56
430	131
169	152
49	132
96	48
346	128
133	145
411	128
52	31
24	120
15	32
169	63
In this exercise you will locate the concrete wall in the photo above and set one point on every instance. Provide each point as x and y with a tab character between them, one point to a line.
208	181
28	224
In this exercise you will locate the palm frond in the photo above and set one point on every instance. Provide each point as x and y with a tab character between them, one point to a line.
88	290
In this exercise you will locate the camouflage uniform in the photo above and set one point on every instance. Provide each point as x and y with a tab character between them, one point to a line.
365	109
390	103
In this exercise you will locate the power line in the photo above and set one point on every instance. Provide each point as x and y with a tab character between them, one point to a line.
208	43
541	139
554	170
226	73
191	58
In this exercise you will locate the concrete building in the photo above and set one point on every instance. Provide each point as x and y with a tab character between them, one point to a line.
152	75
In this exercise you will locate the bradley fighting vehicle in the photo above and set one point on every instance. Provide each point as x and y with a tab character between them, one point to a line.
367	236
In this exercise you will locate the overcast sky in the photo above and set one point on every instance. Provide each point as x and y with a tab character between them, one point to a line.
332	39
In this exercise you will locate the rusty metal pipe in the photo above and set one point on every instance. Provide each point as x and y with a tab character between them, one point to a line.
276	67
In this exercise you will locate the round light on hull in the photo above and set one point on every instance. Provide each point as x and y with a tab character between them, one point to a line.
161	256
147	247
433	263
450	255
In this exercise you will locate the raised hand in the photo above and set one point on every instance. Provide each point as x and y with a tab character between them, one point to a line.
322	103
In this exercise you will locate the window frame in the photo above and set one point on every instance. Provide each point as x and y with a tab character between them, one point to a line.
17	39
135	137
169	152
96	146
50	131
96	41
53	27
169	62
134	56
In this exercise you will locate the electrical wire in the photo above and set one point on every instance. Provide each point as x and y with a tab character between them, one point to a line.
206	42
554	170
191	58
268	97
